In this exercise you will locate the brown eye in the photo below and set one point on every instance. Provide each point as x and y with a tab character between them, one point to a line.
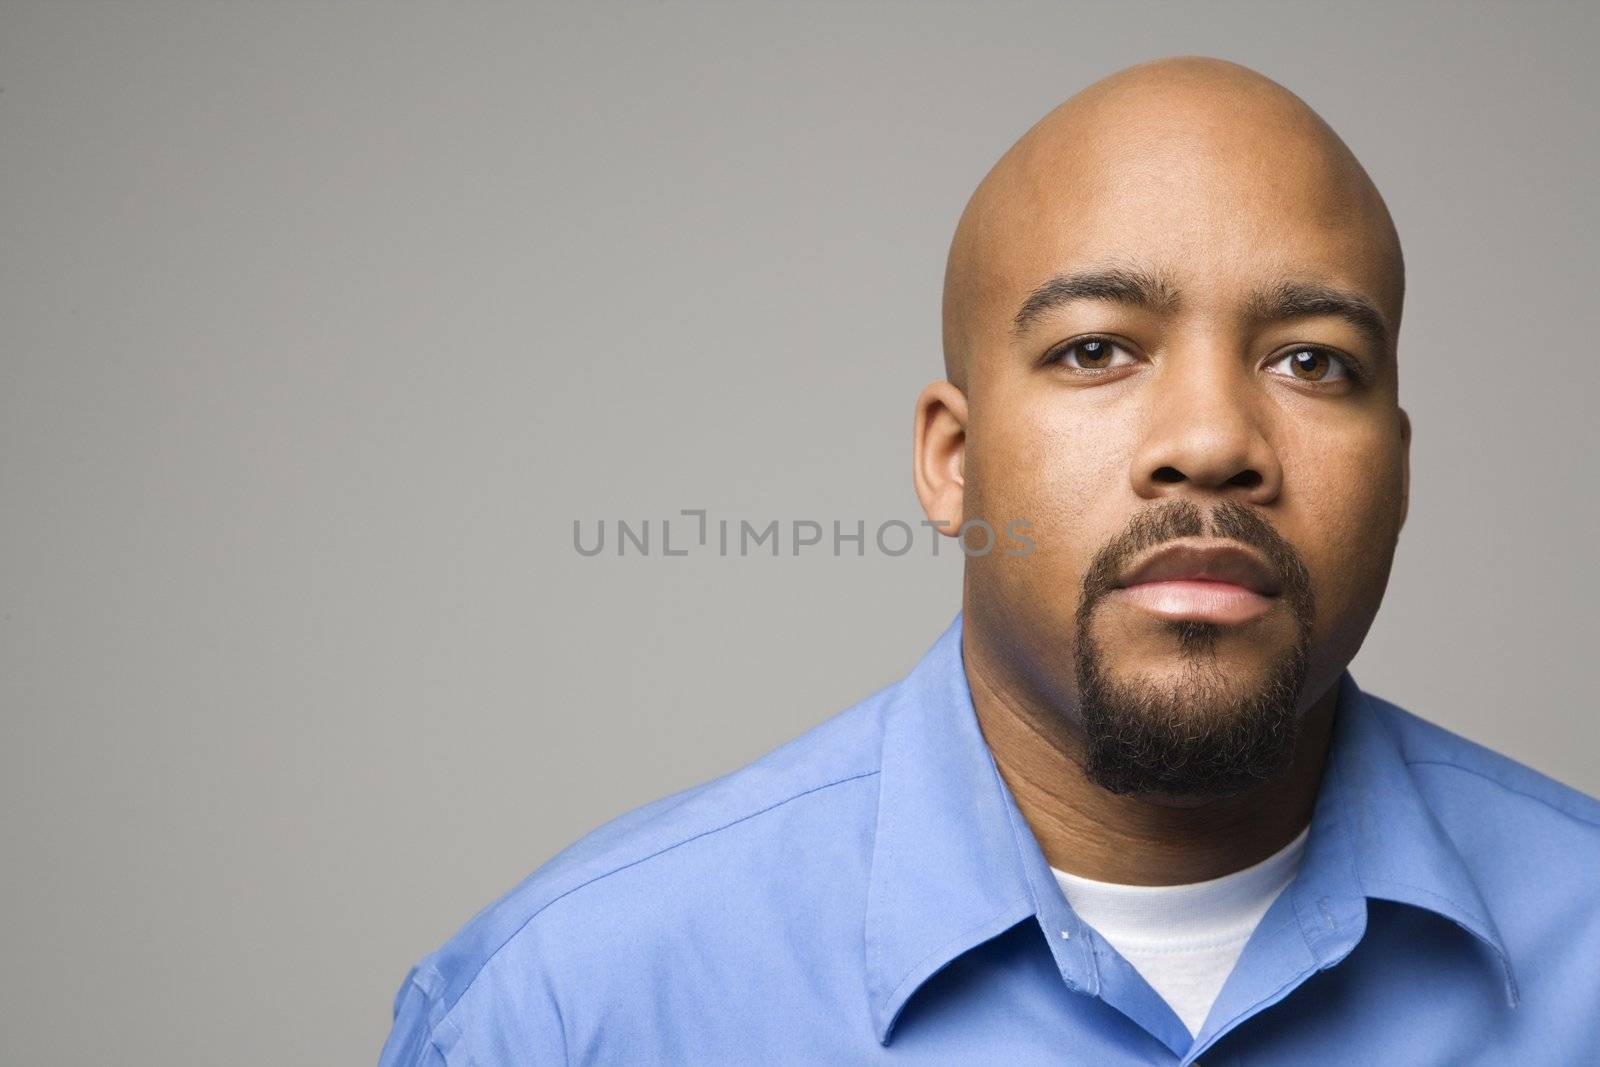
1314	365
1091	353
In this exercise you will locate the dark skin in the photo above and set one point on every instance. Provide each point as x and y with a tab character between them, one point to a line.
1228	191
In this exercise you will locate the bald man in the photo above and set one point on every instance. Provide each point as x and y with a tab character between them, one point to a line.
1131	807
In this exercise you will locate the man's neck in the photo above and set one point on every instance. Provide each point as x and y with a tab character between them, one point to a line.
1085	830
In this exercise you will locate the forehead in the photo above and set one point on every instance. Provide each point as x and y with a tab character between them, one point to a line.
1218	207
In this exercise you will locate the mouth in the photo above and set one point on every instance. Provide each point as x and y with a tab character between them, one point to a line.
1201	580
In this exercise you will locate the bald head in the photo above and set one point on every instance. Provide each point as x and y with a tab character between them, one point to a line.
1165	156
1170	315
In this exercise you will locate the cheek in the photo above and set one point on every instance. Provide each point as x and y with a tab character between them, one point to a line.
1346	499
1053	464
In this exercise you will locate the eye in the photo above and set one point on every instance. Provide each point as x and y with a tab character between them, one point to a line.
1311	364
1090	353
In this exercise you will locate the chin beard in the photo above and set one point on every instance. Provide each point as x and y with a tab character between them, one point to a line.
1199	737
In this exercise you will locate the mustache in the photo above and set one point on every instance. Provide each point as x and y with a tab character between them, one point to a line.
1181	517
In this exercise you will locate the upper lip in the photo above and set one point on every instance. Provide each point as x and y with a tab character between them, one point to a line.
1226	561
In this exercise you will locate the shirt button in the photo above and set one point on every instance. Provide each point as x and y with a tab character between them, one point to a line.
1066	936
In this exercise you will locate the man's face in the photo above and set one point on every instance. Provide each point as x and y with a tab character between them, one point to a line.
1205	376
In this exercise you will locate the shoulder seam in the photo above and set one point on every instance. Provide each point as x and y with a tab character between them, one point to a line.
490	958
1503	785
692	837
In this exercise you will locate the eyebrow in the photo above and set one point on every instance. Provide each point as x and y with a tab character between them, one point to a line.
1136	288
1152	292
1290	300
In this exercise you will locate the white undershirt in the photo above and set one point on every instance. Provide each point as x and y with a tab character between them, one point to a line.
1184	939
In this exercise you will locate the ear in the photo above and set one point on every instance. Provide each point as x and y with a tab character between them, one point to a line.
1405	464
939	454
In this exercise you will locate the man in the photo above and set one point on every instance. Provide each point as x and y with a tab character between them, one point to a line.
1131	808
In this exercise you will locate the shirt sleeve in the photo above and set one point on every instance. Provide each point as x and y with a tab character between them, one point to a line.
410	1041
495	1031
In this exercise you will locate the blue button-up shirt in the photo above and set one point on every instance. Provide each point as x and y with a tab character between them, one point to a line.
869	892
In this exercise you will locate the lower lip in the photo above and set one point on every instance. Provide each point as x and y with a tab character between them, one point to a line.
1199	601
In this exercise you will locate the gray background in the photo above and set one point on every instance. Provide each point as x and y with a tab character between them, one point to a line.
320	325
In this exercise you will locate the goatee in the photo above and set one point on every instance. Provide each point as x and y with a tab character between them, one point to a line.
1208	734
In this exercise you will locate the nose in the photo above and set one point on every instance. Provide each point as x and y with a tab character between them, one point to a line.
1206	433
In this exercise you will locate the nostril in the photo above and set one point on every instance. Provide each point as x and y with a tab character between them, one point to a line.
1247	478
1167	474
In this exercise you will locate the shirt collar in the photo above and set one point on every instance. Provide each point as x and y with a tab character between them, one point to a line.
954	863
946	865
1372	819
